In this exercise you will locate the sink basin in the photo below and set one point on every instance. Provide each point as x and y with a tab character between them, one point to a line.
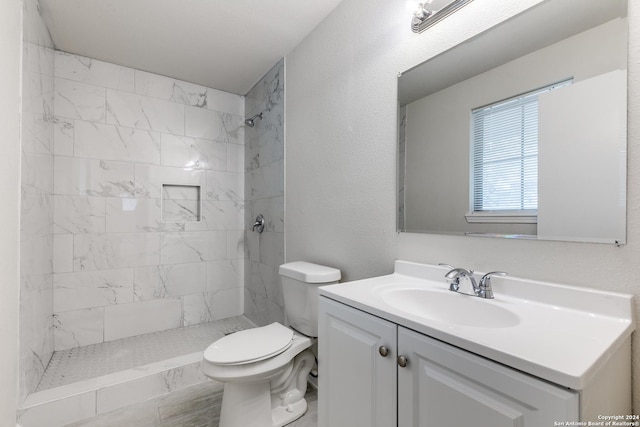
449	307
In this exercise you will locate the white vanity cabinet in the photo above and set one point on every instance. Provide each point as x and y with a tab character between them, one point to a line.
363	381
442	385
357	387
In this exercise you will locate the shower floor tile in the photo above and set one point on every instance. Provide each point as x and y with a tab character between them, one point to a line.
82	363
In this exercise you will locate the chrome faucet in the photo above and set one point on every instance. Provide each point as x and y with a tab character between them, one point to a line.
482	289
456	274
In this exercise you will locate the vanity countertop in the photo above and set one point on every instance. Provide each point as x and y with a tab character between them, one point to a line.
562	334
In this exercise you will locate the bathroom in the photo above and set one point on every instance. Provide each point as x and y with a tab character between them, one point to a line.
339	112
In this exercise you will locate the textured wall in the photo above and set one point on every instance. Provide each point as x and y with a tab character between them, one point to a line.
341	155
138	247
10	45
36	219
264	193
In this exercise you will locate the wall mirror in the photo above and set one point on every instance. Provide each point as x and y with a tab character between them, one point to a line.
477	157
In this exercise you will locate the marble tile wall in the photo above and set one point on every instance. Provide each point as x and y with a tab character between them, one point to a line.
37	205
264	193
129	253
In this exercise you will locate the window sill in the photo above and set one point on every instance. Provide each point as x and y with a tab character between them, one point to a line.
503	217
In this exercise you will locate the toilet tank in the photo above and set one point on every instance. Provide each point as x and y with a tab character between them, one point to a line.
300	282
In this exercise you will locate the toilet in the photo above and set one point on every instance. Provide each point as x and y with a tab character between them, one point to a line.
265	369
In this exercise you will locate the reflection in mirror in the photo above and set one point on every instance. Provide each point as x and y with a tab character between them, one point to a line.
521	131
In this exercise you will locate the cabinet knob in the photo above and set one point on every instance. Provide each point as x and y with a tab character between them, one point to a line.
402	361
384	351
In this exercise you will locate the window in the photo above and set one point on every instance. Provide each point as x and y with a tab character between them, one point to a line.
505	157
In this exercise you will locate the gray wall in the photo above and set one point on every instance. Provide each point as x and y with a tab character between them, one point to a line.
10	43
264	193
341	155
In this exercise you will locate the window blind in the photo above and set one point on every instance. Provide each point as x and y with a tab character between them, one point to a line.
505	153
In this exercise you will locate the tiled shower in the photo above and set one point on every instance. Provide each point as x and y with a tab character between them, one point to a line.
148	203
137	195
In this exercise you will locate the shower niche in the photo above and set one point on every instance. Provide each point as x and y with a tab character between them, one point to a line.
181	203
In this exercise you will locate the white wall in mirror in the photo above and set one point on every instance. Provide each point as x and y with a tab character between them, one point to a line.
583	131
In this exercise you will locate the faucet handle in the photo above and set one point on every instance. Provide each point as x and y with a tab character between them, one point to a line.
451	267
486	279
484	288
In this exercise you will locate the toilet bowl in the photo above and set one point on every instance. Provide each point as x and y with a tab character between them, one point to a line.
265	369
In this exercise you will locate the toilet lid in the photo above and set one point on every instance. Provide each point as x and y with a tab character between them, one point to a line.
250	345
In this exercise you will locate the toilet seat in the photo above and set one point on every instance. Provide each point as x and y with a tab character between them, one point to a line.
251	345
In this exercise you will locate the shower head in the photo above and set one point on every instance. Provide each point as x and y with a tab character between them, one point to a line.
251	122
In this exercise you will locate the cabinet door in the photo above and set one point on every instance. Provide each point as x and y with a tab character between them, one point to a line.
356	384
444	386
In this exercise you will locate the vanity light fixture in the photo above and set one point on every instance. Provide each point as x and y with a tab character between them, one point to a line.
433	11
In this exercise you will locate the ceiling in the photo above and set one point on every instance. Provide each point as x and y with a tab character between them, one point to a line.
224	44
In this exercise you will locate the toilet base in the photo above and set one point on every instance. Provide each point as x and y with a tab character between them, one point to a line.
281	415
269	402
249	405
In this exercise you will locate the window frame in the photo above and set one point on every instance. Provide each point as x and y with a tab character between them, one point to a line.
512	216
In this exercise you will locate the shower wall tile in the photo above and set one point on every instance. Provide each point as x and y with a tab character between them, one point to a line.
276	214
264	280
135	111
108	142
214	305
36	207
272	249
264	194
36	327
162	281
62	253
149	179
36	138
92	177
196	246
36	251
215	125
235	158
63	137
225	186
146	182
92	71
89	289
76	214
115	250
225	101
36	173
36	216
183	212
266	181
260	308
235	244
194	153
142	317
222	215
79	327
77	100
168	89
136	215
225	274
